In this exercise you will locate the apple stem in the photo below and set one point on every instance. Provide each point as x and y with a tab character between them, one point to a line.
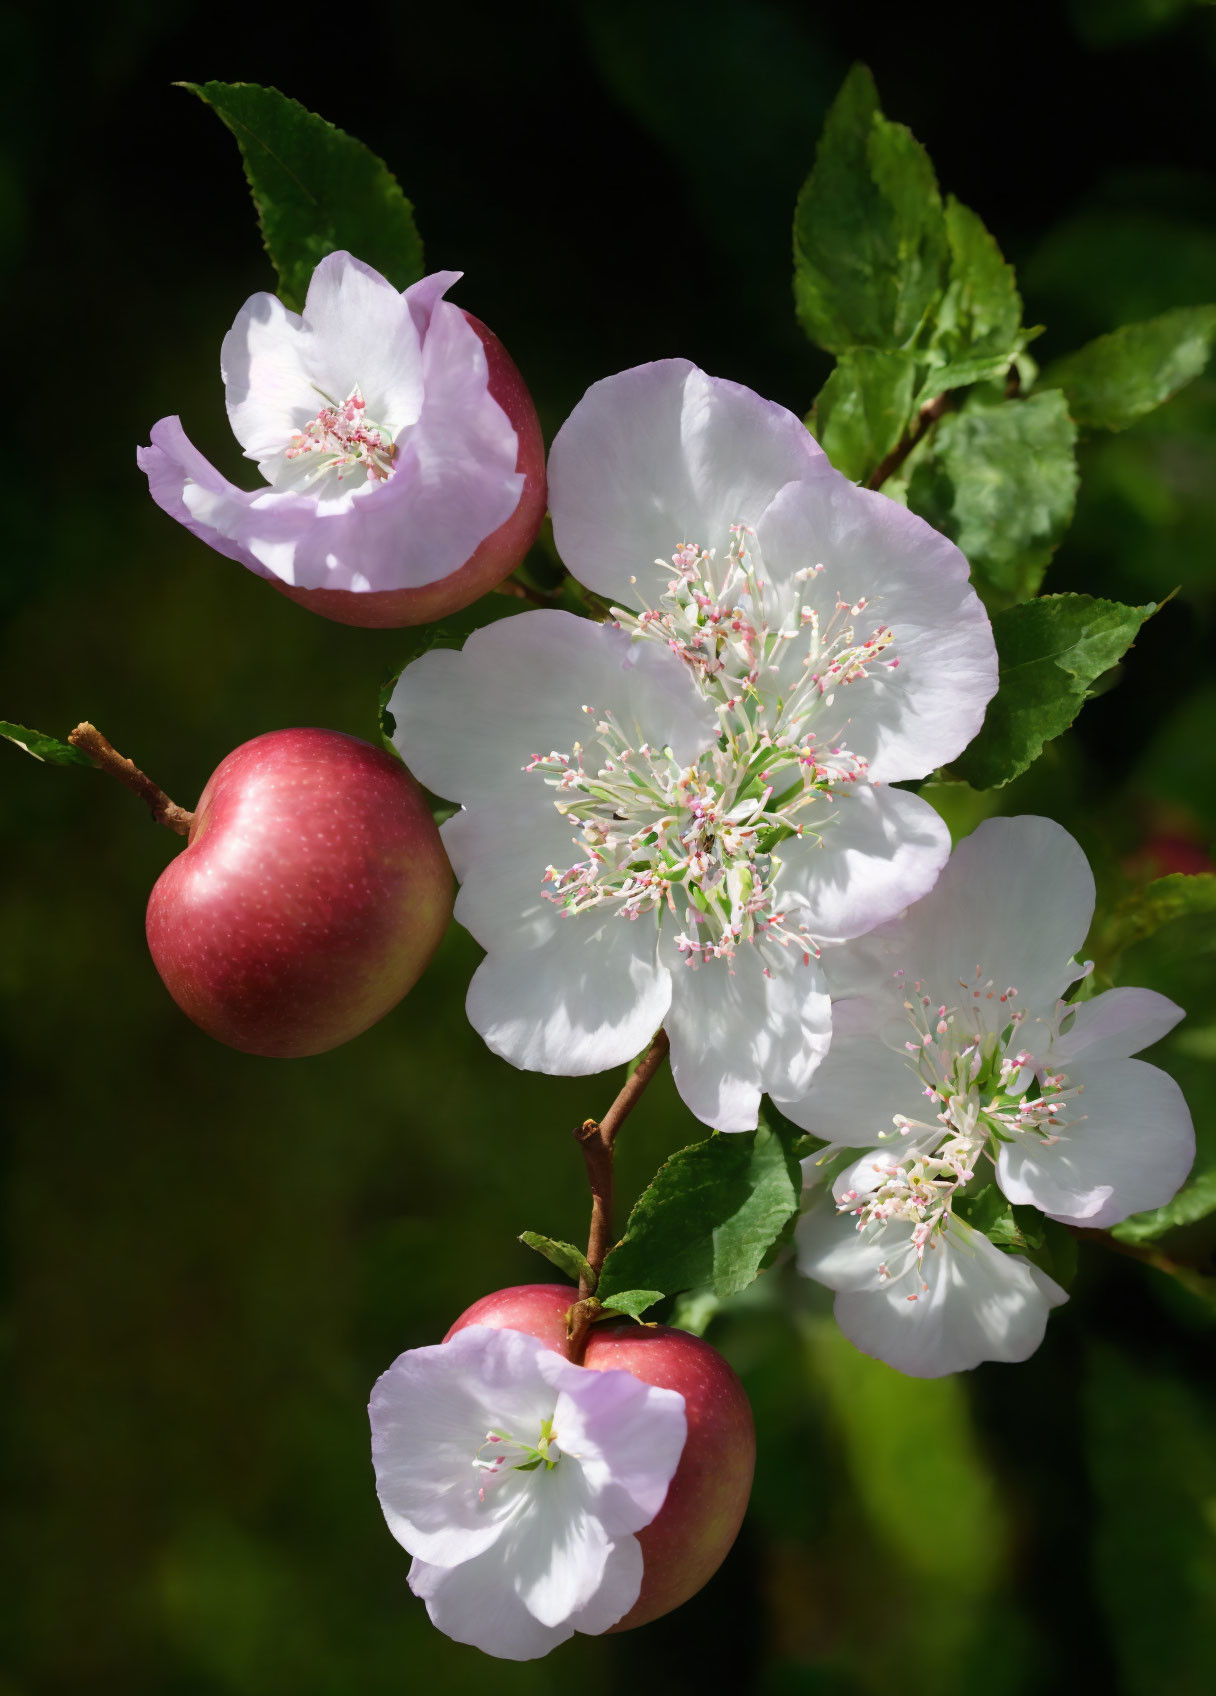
106	757
595	1137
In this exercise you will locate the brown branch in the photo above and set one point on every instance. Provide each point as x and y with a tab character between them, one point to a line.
923	422
106	757
596	1137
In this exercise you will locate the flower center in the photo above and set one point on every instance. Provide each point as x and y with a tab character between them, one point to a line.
699	840
502	1453
984	1092
342	437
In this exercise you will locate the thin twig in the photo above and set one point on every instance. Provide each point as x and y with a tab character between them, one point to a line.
104	755
923	422
596	1138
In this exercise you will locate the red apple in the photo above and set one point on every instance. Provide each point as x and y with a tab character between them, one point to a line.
497	556
687	1541
312	893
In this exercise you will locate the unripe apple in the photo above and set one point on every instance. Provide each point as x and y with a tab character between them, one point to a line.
496	557
687	1541
312	893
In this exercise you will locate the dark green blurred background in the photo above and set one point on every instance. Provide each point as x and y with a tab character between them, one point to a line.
212	1256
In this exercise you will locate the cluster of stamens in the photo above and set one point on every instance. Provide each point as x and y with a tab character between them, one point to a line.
699	840
342	436
987	1094
502	1453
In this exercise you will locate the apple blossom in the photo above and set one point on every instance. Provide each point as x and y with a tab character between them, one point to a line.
714	760
955	1048
402	457
517	1480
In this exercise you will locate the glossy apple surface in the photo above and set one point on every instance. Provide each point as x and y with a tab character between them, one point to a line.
496	557
312	893
687	1541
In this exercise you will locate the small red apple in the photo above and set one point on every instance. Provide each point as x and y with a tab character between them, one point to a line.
496	557
313	890
687	1541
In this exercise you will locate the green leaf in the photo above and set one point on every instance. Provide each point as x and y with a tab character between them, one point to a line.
864	407
694	1311
568	1259
1142	914
316	189
870	245
709	1217
46	748
978	332
1116	379
632	1303
1050	651
1000	479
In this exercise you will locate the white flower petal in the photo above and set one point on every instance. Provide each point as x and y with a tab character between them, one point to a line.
1131	1151
736	1033
1015	899
620	1586
1113	1026
587	998
499	854
468	722
560	1548
663	454
477	1603
881	850
981	1304
861	1084
270	394
834	1252
430	1415
628	1437
908	720
361	333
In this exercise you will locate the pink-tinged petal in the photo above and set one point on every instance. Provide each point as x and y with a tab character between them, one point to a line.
980	1305
1115	1025
861	1083
628	1436
663	454
468	722
587	998
1130	1148
881	850
906	718
477	1603
430	1413
737	1033
189	488
561	1547
423	296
